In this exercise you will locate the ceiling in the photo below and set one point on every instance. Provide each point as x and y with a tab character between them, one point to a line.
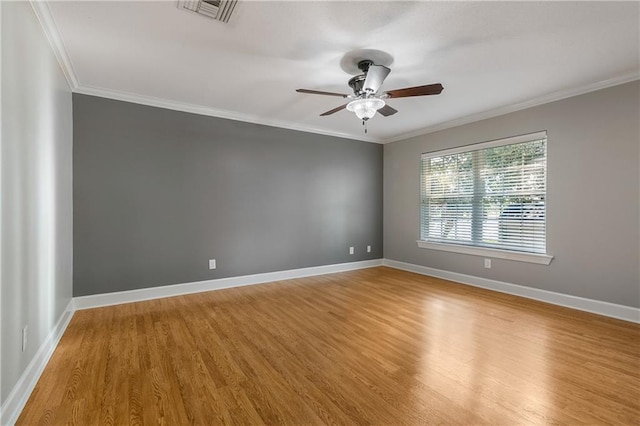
491	57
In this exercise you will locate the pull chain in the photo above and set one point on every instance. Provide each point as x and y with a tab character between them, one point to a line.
364	123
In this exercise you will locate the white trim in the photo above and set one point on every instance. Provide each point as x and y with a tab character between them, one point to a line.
116	298
625	313
51	31
213	112
231	115
13	405
1	209
541	100
541	259
530	137
43	13
20	393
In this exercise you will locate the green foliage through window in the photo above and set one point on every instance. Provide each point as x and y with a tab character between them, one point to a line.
493	195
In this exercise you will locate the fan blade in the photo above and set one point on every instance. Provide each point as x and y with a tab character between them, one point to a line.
387	111
318	92
429	89
341	107
375	76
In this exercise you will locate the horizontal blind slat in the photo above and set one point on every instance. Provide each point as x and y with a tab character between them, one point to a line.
493	197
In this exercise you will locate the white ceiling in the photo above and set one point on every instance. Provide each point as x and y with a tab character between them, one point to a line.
491	57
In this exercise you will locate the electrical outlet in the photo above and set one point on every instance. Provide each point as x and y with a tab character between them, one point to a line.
487	263
351	250
212	264
368	249
24	338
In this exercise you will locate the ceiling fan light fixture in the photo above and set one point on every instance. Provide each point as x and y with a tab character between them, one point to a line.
365	108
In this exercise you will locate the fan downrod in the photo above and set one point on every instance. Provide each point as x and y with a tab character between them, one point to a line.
364	65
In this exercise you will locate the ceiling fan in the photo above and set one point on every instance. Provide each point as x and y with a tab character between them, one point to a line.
366	100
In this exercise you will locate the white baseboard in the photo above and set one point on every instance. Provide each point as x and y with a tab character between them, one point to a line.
20	393
116	298
626	313
22	390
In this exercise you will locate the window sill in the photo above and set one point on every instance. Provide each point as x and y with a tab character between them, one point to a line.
541	259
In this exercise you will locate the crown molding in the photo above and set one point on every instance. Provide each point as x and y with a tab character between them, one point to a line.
231	115
47	22
51	31
213	112
44	16
545	99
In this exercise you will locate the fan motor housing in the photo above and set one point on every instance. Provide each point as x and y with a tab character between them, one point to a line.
356	84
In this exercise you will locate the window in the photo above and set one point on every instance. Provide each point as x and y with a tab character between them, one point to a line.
487	199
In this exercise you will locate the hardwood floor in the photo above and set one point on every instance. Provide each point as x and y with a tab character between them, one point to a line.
376	346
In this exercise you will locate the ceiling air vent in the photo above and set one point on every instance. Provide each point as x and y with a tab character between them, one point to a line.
216	9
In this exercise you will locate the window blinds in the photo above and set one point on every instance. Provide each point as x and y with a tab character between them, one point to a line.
488	195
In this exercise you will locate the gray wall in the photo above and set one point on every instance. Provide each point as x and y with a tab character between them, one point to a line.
35	189
158	192
593	188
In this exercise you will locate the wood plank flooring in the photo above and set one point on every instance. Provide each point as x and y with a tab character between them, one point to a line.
376	346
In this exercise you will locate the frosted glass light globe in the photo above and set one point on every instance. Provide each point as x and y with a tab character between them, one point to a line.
365	108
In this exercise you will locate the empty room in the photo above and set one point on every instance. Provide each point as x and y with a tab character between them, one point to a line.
319	212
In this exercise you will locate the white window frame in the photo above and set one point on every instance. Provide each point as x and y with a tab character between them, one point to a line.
538	258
